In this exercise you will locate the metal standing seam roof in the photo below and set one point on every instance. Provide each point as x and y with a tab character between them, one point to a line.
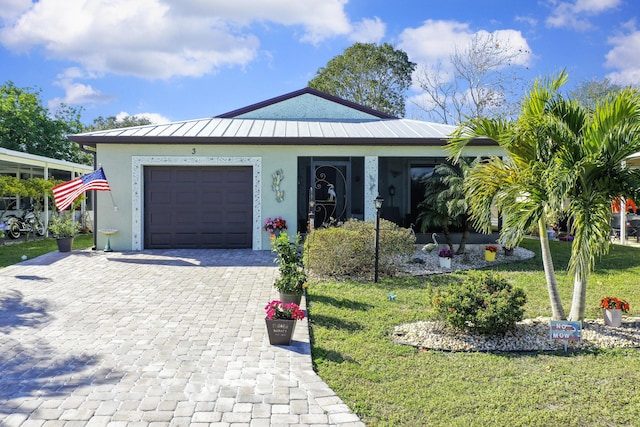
263	129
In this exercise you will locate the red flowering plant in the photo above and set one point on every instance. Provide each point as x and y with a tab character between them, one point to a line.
276	309
272	225
613	303
491	248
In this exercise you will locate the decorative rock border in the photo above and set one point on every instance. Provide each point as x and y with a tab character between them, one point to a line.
529	335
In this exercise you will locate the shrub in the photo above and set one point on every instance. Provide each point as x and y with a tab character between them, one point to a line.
293	278
348	250
484	302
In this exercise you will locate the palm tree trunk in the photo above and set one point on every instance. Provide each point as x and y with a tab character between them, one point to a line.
578	302
447	236
557	312
465	237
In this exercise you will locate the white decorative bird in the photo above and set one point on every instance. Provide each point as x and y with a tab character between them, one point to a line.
431	246
332	193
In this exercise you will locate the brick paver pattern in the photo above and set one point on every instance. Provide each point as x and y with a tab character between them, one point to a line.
152	338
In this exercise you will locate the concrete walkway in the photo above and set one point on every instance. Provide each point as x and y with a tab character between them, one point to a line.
152	338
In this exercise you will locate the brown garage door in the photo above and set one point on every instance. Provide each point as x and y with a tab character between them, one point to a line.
198	207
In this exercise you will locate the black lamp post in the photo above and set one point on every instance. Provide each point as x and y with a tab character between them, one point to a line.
378	204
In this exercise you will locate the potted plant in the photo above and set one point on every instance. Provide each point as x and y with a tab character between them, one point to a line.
281	321
613	309
63	228
490	252
293	278
508	251
275	226
444	257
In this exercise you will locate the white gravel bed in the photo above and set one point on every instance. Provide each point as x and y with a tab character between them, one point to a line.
426	263
530	335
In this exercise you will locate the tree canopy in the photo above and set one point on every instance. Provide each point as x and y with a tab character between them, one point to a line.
479	81
563	158
367	74
112	122
27	125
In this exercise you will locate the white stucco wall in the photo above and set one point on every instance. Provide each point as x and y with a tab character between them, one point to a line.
123	163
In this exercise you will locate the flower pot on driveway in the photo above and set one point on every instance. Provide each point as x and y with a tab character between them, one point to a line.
280	331
289	298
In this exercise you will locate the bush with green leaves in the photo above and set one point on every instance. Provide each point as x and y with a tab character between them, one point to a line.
293	278
348	250
484	302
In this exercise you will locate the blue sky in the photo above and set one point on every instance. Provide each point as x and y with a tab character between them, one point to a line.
187	59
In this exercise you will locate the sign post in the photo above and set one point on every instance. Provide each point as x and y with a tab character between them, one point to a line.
563	330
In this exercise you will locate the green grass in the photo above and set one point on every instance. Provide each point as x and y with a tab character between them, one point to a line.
395	385
12	253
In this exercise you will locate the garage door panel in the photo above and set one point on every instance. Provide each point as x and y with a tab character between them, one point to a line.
190	197
198	207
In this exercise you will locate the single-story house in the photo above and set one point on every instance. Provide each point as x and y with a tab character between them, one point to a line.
211	183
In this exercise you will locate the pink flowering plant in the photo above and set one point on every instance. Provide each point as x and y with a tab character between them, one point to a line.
276	309
271	225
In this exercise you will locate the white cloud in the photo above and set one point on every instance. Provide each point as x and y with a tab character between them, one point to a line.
573	15
434	42
154	118
75	92
158	39
11	9
624	57
368	31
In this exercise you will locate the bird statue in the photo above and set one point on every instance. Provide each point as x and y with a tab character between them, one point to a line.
332	193
431	246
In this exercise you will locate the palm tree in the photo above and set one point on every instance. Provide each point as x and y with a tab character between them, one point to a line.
557	150
445	203
594	147
525	187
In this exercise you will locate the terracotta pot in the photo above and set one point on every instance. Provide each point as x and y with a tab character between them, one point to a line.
280	331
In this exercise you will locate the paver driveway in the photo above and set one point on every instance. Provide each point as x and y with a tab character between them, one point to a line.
152	338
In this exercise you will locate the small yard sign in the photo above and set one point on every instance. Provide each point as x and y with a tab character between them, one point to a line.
563	330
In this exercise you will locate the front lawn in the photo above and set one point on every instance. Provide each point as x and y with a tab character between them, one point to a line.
12	253
394	385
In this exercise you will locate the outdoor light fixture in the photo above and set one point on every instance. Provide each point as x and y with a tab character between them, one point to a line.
378	204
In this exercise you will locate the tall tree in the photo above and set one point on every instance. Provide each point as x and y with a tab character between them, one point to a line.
112	122
590	92
481	82
27	126
525	188
371	75
558	150
595	143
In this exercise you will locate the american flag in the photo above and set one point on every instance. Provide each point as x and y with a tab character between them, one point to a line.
65	193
